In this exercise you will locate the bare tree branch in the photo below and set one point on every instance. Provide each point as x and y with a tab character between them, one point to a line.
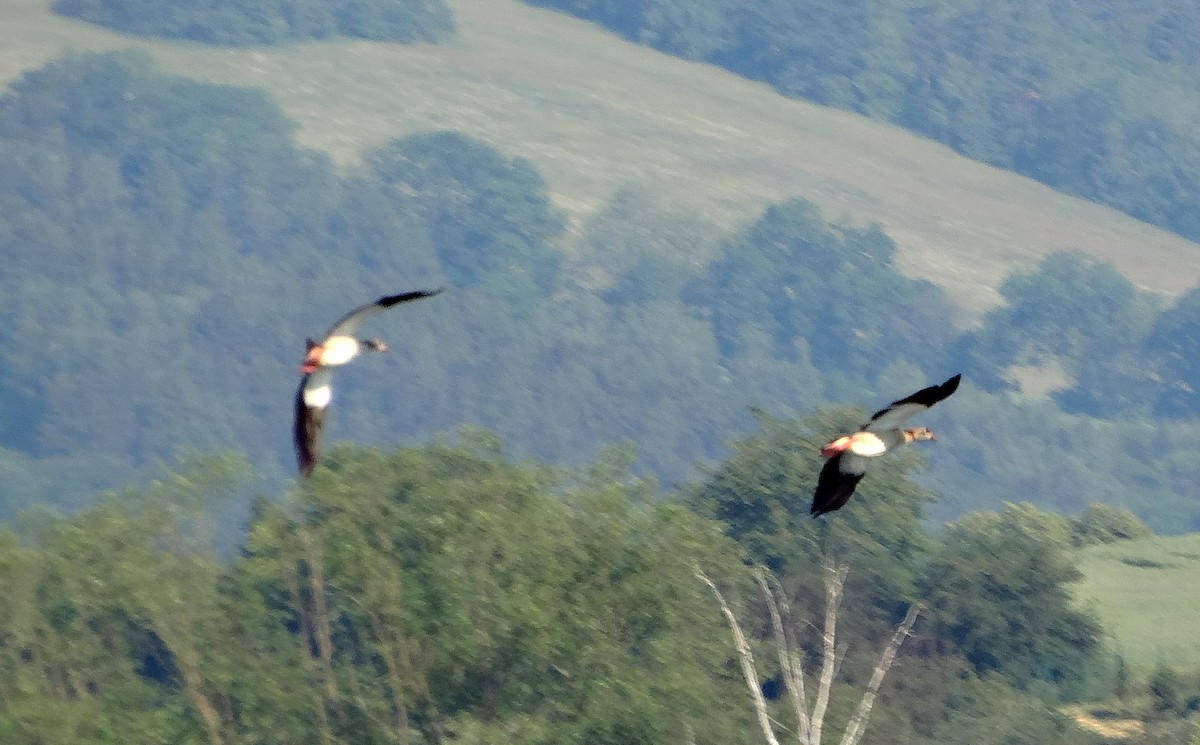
855	728
746	656
790	661
835	578
809	725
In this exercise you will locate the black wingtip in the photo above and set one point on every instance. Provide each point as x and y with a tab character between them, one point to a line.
950	386
388	301
930	395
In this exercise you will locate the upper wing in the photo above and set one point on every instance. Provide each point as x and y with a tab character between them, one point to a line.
348	324
897	412
836	482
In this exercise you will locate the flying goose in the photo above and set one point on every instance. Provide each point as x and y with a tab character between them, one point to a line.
849	454
338	347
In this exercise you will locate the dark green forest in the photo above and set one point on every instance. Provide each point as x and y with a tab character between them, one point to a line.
251	22
1099	100
169	247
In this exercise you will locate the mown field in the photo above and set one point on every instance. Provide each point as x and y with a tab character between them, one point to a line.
1147	594
596	114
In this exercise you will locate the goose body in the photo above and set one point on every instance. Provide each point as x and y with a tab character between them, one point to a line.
338	347
849	454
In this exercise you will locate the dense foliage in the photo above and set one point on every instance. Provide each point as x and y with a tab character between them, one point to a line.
409	597
788	277
487	216
1068	93
169	246
268	22
449	591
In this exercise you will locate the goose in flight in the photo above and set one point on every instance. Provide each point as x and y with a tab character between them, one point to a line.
849	454
338	347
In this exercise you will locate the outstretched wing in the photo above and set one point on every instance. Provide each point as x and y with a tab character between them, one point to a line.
836	482
348	324
312	398
897	412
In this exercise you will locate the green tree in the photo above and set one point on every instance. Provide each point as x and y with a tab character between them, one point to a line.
242	22
1100	523
446	589
998	588
489	217
117	631
1173	346
990	713
1070	312
1166	692
826	290
1072	141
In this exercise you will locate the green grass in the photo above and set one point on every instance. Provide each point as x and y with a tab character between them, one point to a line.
594	114
1147	594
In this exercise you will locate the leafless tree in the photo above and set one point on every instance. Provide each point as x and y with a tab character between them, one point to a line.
809	717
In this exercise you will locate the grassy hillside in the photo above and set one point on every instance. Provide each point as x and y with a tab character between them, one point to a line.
595	114
1145	594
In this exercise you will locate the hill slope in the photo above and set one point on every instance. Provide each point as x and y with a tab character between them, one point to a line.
594	114
1143	593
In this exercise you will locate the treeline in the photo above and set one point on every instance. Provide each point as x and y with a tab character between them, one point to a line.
452	592
268	22
1071	94
169	247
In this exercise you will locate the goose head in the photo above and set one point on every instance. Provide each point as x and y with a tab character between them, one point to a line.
312	356
840	445
917	434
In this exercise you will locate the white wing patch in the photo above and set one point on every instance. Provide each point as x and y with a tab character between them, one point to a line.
318	389
869	446
339	350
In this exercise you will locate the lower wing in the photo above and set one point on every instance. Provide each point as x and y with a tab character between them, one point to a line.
306	431
837	481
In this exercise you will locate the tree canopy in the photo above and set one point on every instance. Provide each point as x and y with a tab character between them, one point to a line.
451	591
826	295
274	22
405	596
